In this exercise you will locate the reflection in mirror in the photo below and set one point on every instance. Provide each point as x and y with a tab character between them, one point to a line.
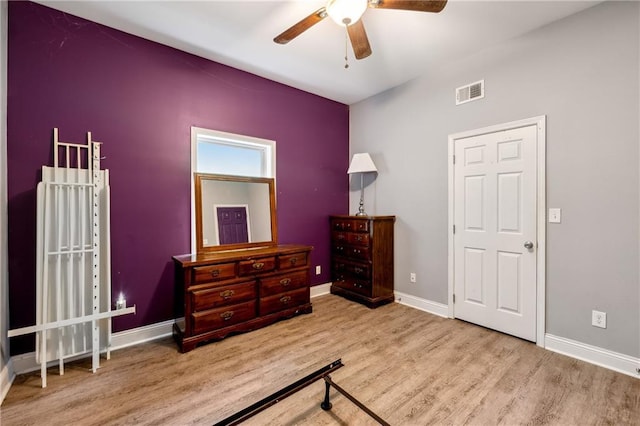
234	212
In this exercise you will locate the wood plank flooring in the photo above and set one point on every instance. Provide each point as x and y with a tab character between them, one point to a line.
408	366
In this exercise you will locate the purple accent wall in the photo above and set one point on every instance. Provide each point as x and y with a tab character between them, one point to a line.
140	99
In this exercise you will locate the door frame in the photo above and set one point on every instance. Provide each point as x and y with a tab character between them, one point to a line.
541	140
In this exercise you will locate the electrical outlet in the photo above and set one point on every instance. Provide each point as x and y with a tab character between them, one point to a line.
412	277
599	319
318	270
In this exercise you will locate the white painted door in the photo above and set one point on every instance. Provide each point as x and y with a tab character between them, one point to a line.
495	230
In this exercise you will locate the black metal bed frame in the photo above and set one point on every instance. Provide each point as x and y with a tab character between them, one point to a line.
274	398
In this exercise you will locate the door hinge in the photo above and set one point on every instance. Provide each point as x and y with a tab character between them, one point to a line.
454	159
454	229
454	298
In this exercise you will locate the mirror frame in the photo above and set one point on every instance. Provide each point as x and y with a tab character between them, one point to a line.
200	247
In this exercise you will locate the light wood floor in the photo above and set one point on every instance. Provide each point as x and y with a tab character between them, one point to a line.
410	367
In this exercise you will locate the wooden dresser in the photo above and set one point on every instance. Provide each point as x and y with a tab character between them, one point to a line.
240	290
362	258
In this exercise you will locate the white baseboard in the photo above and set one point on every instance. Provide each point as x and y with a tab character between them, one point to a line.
24	363
592	354
422	304
320	290
135	336
6	379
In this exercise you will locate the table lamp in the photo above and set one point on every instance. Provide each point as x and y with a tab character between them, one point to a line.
361	163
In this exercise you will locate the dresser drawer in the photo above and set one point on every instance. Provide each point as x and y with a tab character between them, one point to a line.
282	283
343	269
223	317
222	296
256	266
342	225
358	238
339	237
211	273
356	225
350	225
271	304
359	286
356	252
339	249
292	260
361	225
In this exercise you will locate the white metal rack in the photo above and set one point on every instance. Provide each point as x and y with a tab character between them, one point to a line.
73	262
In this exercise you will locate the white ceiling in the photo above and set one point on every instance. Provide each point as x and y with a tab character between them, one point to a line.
240	33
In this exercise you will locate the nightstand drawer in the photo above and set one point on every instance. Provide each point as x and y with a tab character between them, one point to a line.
280	302
223	296
221	271
256	266
223	317
292	260
283	283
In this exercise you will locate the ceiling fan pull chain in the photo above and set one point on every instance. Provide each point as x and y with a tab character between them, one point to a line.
346	47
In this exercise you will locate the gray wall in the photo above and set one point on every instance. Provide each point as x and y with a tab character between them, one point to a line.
583	73
4	310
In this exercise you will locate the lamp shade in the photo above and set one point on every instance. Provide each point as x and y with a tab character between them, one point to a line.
361	163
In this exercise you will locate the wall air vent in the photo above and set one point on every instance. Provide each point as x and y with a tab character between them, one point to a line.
470	92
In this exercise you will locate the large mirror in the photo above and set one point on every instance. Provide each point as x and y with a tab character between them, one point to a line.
234	212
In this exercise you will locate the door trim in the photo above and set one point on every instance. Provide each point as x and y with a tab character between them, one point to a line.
541	123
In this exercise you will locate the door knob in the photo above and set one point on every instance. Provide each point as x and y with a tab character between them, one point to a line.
528	245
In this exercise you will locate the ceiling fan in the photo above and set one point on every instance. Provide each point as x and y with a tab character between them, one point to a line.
347	13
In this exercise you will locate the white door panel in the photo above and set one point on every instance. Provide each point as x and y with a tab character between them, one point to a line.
495	214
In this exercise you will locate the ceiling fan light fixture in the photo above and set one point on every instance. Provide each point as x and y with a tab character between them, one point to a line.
346	12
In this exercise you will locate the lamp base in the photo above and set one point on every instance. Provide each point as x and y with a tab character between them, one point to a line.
361	208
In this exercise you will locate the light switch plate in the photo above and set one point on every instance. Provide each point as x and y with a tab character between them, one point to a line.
555	215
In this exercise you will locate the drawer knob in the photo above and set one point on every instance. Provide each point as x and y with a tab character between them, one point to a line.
285	299
226	315
227	294
357	285
293	260
359	238
285	281
215	273
258	265
358	270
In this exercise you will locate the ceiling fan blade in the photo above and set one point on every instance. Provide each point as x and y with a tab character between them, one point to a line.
302	26
415	5
359	40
